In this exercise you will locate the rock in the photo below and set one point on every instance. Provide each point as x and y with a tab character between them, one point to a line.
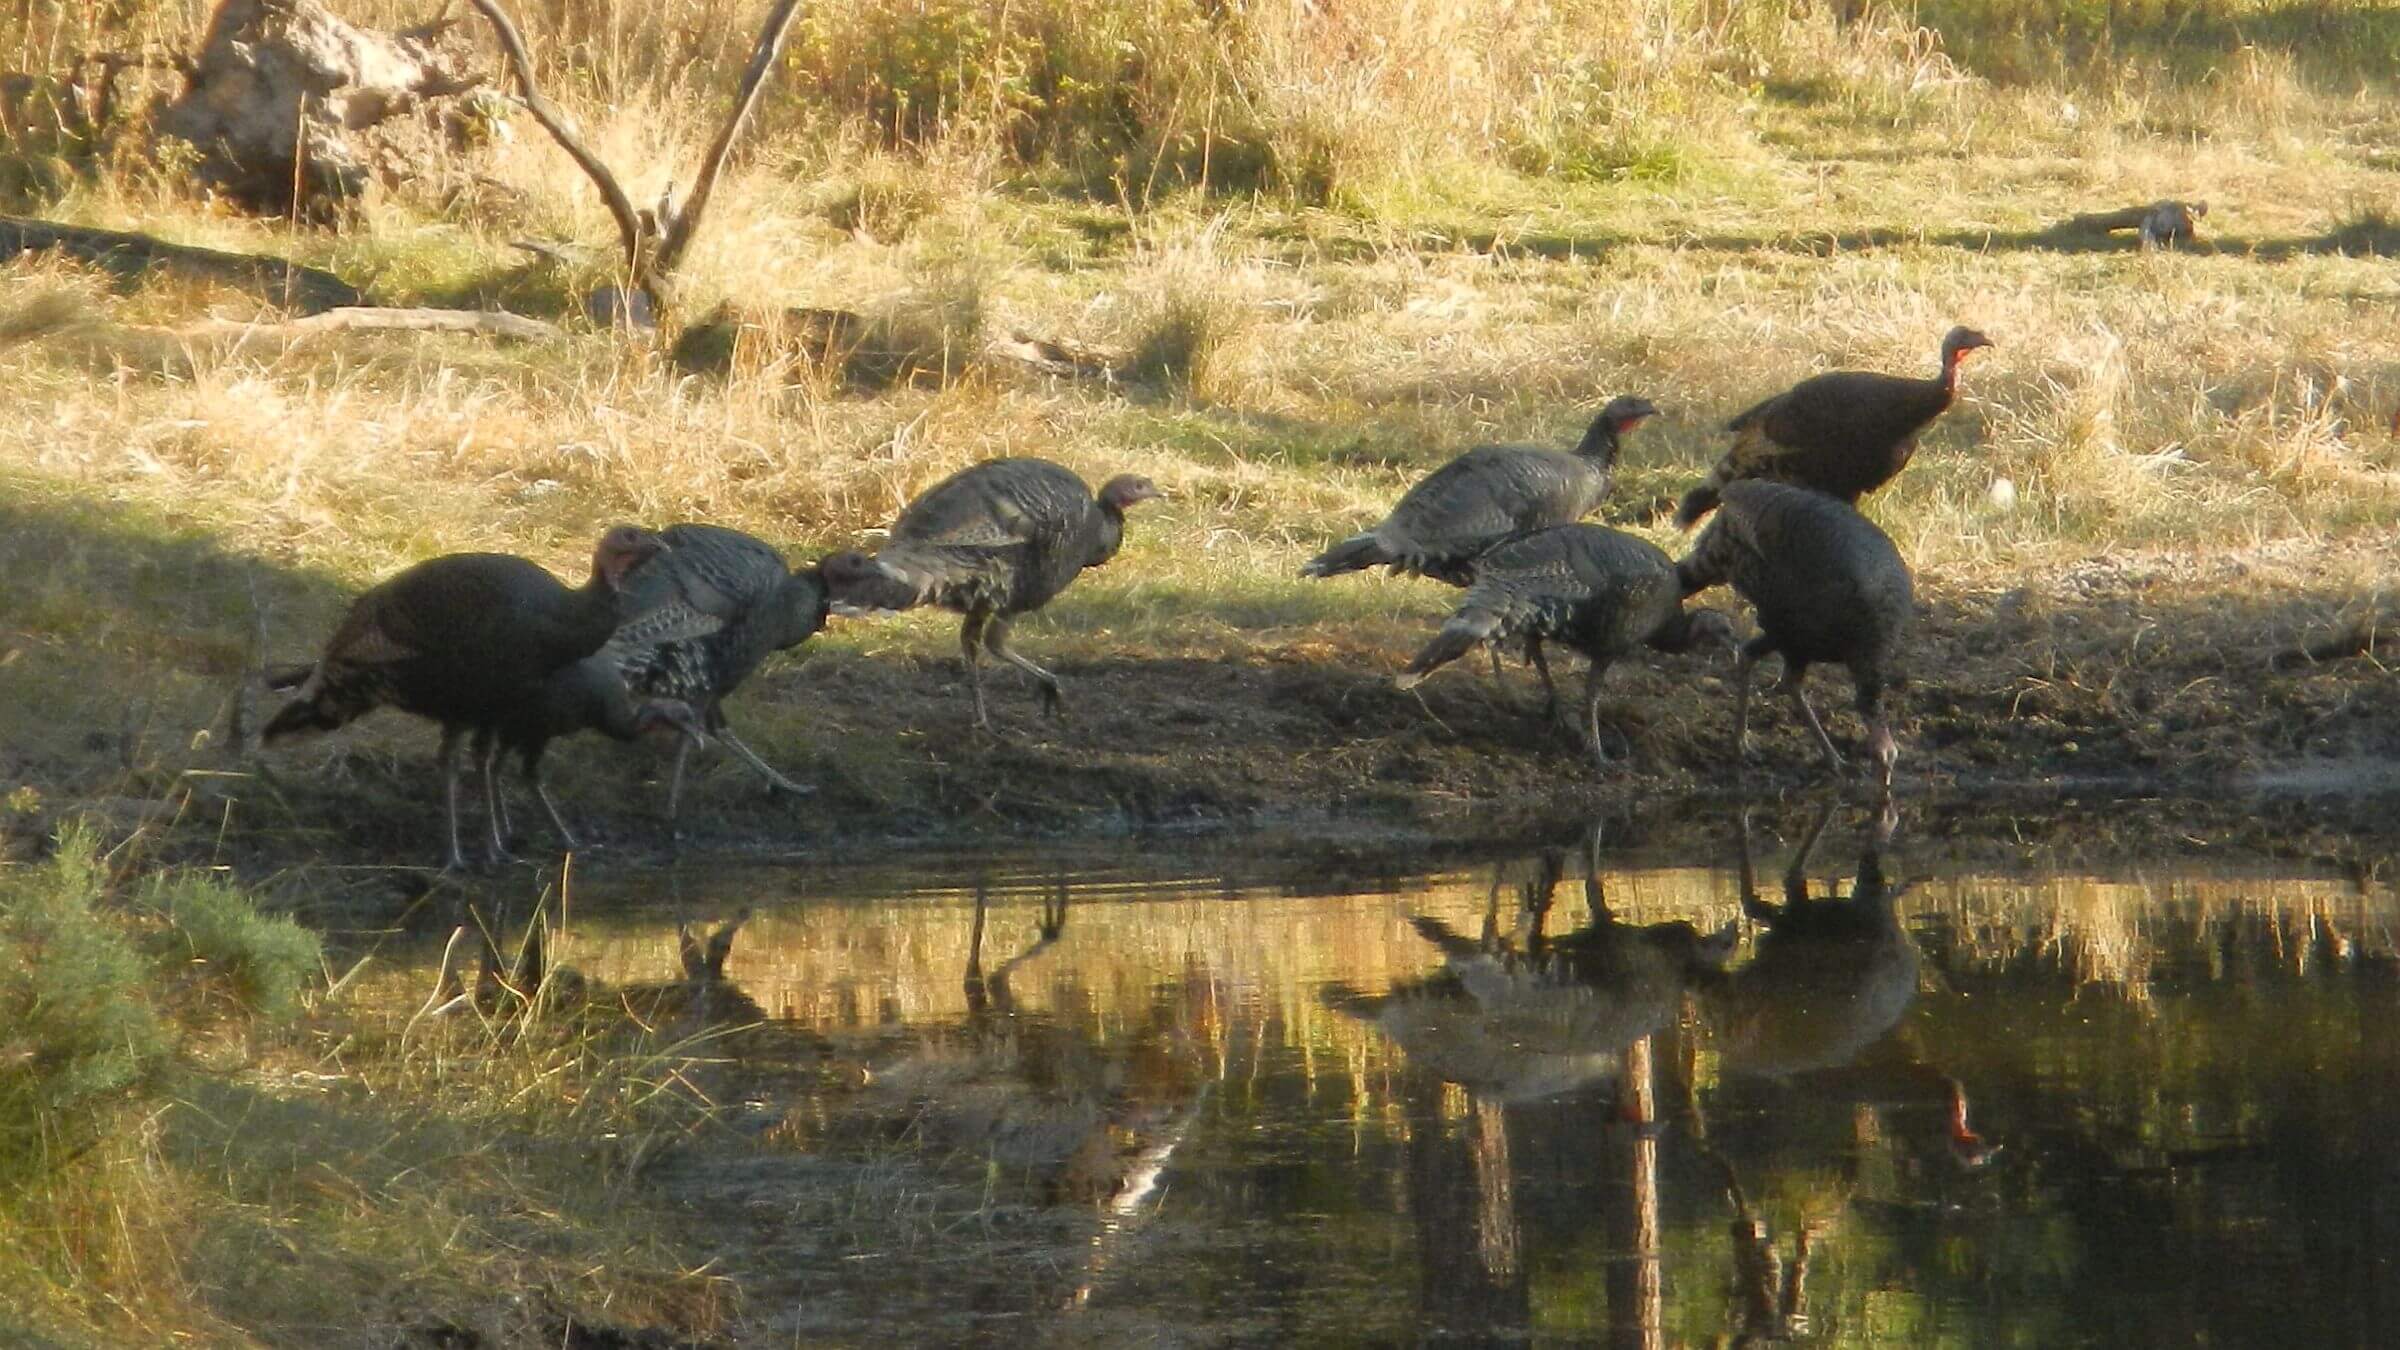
279	80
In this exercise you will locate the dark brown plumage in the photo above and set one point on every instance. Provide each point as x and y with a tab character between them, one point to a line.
1600	591
1489	494
700	620
464	640
991	542
1844	433
1828	586
589	695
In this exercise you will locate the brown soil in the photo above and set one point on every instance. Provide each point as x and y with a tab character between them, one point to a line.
2119	680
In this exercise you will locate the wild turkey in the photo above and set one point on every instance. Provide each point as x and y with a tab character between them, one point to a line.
1845	433
701	619
991	542
590	695
465	639
1828	586
2160	224
1491	493
2167	224
1600	591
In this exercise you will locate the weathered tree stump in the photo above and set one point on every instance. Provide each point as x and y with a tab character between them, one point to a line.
293	111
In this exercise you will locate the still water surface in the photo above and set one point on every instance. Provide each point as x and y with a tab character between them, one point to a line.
1884	1100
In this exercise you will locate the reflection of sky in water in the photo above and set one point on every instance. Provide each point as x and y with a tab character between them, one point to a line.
2151	1107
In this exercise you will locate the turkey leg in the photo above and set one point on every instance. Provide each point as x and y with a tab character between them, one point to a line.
451	736
1743	666
1541	663
1880	746
775	780
495	804
683	752
995	640
1591	713
1791	685
541	793
970	645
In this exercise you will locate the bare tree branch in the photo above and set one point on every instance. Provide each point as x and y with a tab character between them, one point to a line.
368	319
512	46
763	57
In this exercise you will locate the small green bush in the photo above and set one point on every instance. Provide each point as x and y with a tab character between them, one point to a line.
262	959
78	1035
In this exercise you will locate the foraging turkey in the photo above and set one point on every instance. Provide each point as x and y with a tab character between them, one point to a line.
590	695
1600	591
466	640
701	619
2168	223
1828	586
1491	493
991	542
1845	433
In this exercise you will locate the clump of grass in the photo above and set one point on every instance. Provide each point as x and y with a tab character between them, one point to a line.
1182	333
884	199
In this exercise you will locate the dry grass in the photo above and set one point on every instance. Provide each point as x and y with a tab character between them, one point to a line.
1304	363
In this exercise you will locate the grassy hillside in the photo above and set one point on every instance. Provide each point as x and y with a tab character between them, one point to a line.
1345	242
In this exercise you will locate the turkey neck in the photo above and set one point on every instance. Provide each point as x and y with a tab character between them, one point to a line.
1599	443
1111	534
1949	380
595	606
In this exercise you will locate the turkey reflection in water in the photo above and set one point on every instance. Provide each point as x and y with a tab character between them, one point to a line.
1648	1103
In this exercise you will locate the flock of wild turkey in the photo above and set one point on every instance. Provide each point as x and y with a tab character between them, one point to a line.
670	622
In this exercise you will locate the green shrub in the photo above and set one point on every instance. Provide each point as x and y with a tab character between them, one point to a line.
262	959
78	1035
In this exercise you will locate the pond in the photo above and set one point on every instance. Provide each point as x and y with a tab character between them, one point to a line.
1853	1094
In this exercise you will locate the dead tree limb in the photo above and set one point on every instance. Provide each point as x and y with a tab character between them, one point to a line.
654	243
763	57
520	64
372	319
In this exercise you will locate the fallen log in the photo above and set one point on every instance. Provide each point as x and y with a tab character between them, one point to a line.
375	319
130	255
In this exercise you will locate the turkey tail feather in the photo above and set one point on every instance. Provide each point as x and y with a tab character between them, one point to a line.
1355	554
1457	638
1710	561
1698	502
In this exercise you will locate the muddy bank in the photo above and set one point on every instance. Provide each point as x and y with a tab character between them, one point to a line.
2102	681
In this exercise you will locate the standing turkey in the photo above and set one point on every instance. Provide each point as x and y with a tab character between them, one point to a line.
590	695
1600	591
466	640
1845	433
991	542
1491	493
1828	586
701	619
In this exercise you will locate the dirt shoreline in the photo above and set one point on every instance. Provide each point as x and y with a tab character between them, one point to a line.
2123	679
1323	758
